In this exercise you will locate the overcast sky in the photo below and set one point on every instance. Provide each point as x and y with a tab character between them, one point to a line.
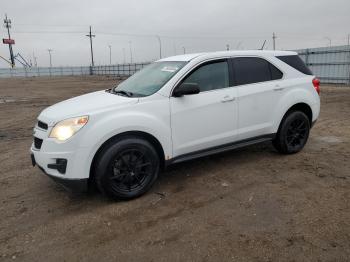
196	25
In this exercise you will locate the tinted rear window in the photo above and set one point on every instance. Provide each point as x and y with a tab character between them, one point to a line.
249	70
296	62
275	72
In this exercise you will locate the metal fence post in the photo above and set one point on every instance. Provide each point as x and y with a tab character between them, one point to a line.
307	57
349	63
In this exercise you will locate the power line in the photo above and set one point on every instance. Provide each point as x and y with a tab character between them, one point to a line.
139	35
285	35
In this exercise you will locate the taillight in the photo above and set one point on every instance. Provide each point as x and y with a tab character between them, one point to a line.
316	83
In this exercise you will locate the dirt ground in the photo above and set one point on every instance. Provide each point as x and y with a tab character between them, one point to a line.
251	204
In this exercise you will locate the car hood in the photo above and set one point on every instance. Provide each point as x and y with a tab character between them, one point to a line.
84	105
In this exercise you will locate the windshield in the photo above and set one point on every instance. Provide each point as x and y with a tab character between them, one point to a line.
150	79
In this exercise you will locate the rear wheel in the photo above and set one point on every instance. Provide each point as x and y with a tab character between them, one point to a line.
127	168
293	133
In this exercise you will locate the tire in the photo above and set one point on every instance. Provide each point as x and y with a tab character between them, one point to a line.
293	133
126	168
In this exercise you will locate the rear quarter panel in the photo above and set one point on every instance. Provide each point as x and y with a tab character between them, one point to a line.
298	90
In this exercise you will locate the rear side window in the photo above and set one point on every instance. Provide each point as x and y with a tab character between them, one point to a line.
275	72
249	70
295	62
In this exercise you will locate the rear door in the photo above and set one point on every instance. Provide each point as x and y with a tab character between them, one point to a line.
259	87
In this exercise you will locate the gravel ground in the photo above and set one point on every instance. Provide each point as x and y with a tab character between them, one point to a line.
251	204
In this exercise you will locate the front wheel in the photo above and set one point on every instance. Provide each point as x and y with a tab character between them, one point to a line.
293	133
127	168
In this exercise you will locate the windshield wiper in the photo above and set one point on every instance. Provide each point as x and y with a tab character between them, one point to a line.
123	93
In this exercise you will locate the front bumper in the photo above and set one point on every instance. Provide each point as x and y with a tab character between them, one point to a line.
74	185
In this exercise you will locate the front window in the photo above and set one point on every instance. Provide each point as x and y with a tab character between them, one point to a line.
150	79
210	76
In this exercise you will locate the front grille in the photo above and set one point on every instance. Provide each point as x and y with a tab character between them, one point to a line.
42	125
37	142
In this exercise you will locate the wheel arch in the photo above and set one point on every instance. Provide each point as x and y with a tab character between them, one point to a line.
139	134
303	107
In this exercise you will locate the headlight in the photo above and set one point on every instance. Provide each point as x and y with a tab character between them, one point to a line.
68	127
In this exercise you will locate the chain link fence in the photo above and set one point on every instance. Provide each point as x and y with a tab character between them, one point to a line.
330	64
121	70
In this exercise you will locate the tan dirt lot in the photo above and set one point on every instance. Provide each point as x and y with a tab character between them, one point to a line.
251	204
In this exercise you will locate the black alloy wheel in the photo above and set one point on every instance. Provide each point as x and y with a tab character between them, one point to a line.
296	134
130	170
127	168
293	133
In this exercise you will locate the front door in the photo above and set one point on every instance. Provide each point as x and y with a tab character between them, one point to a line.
207	119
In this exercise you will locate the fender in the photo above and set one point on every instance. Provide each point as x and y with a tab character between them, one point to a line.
105	126
295	96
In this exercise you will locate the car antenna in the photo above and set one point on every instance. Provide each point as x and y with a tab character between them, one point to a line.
263	45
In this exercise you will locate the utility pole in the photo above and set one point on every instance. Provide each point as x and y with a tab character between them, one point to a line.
274	40
130	52
7	24
184	49
110	54
92	52
227	47
160	46
50	50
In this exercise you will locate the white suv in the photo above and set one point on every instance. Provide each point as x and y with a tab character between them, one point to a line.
176	109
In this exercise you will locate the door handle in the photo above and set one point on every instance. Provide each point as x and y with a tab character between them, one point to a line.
278	88
228	98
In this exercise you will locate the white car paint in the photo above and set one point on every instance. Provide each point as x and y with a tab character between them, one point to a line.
181	124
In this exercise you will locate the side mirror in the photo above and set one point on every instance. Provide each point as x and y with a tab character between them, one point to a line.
186	89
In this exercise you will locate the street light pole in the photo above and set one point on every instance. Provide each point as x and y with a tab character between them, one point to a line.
330	40
130	52
160	46
110	54
50	50
124	60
